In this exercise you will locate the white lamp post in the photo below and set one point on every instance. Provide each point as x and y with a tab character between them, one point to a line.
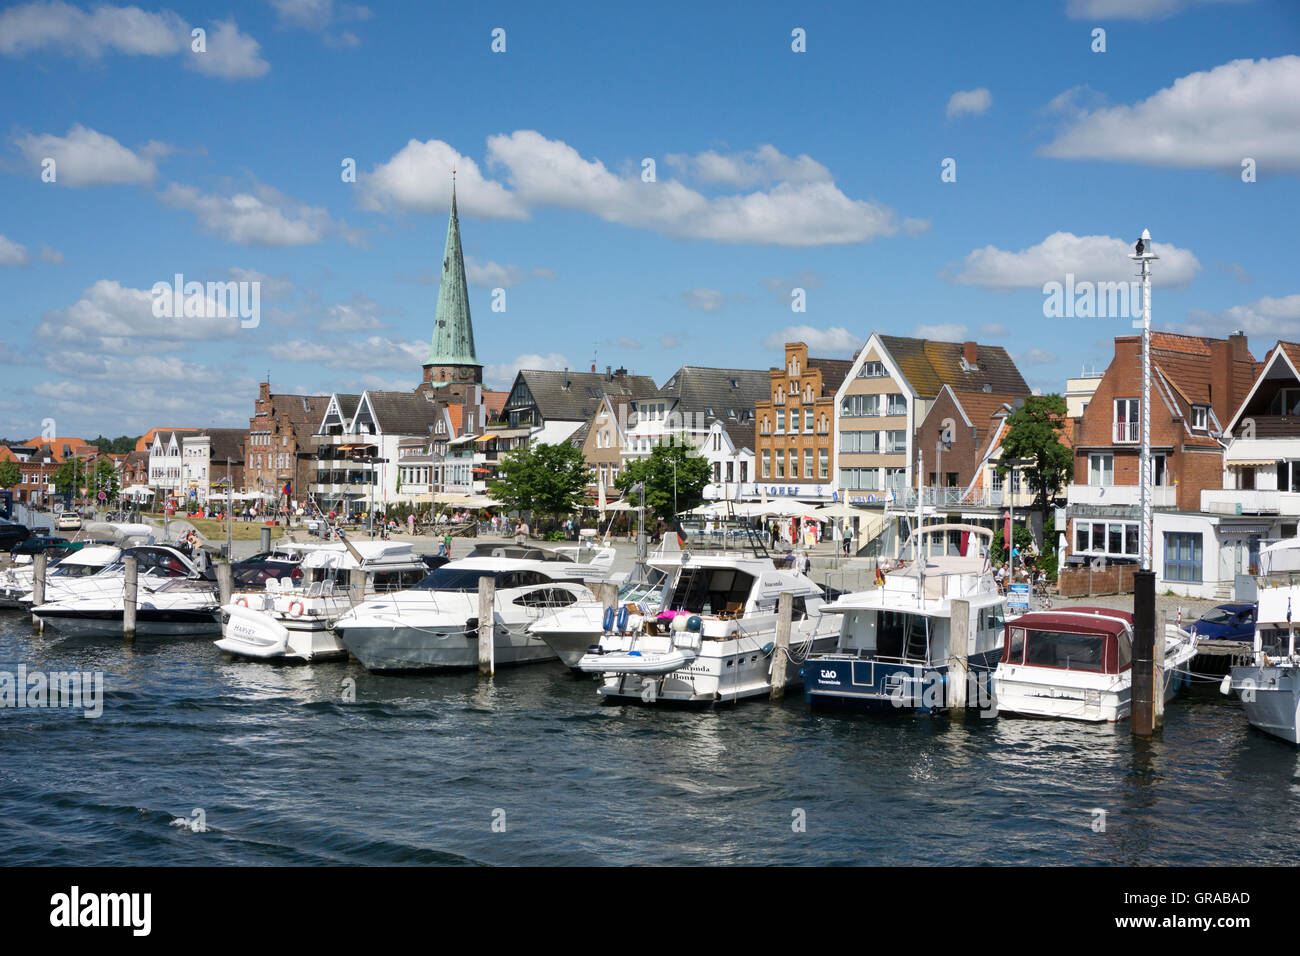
1143	256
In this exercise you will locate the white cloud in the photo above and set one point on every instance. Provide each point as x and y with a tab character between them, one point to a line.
13	253
629	343
318	16
262	217
942	332
1209	119
821	341
1267	317
1036	357
273	288
669	341
543	173
86	157
495	275
974	102
114	318
359	315
369	353
1133	9
766	164
502	374
704	300
52	256
129	31
1092	258
994	330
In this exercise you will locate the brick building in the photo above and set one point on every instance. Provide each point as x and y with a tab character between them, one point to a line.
795	425
279	443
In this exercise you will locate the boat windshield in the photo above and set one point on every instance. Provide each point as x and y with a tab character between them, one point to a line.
518	551
1075	652
705	590
466	579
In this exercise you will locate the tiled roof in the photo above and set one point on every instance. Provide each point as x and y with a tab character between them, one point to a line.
698	390
581	398
980	406
301	409
929	365
145	441
226	443
402	413
833	372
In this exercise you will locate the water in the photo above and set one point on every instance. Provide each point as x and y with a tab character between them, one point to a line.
418	769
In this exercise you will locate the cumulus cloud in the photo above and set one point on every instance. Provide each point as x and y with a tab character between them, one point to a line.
53	256
128	31
495	275
87	157
502	374
972	102
260	217
369	353
942	332
13	253
119	319
1092	258
1209	119
1035	357
1267	317
1133	9
538	173
822	341
994	330
765	165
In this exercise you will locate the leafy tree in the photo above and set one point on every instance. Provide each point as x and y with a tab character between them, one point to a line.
105	479
1034	432
10	474
693	472
545	479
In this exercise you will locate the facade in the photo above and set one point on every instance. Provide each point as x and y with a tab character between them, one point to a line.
731	457
795	425
886	395
166	462
602	448
38	461
211	463
1197	385
554	405
278	443
961	436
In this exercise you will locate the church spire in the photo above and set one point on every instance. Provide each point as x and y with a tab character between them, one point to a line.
453	332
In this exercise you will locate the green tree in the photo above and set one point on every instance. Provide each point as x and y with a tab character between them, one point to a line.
1034	431
543	479
105	479
10	474
692	473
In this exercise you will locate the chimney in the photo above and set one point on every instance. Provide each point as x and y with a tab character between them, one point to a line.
609	372
971	353
620	372
1220	396
1240	351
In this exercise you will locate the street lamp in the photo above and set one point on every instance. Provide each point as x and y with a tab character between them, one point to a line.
1143	255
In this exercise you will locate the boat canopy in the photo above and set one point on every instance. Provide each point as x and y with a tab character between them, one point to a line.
1090	639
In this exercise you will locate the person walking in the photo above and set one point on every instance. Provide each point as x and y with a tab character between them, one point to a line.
848	539
521	532
446	542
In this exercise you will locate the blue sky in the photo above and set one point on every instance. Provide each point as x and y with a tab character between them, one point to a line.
774	169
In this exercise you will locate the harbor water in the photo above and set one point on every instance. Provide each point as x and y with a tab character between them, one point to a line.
201	759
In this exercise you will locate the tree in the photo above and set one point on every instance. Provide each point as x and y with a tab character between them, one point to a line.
10	474
105	479
693	472
546	479
1034	432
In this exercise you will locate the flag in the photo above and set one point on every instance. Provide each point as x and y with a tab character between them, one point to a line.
880	577
287	491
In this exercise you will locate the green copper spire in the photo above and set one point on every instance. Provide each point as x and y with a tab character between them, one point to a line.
453	333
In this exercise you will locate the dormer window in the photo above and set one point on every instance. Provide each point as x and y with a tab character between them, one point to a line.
1200	418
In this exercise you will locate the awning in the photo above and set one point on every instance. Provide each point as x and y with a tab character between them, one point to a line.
488	437
1252	463
462	439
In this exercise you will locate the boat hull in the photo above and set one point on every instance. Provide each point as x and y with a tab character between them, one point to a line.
881	685
414	648
261	635
148	622
1270	697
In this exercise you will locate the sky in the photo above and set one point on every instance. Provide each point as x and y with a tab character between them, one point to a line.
641	186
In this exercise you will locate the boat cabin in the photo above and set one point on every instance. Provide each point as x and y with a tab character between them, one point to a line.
1095	640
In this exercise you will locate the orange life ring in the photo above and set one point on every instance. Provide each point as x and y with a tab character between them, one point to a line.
298	605
242	602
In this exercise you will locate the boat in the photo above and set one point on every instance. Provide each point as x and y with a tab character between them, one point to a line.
292	618
16	582
1269	686
1077	664
434	626
714	639
587	563
176	596
895	645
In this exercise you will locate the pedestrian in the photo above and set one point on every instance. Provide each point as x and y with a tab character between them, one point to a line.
410	523
521	532
446	541
848	539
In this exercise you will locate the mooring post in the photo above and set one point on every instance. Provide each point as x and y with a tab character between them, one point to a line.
225	582
958	655
781	653
266	538
1158	675
130	594
608	597
356	586
1144	635
487	656
38	585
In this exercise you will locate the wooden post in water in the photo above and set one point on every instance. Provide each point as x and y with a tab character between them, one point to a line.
487	653
958	655
608	597
225	582
356	586
130	594
781	653
266	538
39	562
1144	626
1158	670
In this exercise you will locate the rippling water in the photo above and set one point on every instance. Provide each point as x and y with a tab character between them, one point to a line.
418	769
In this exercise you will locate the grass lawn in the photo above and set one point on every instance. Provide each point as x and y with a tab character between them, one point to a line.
215	530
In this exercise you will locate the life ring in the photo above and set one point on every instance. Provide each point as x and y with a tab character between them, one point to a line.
298	605
242	602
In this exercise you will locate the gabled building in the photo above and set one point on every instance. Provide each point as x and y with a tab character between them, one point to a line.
553	405
166	462
961	437
212	462
794	439
278	443
688	404
602	446
729	451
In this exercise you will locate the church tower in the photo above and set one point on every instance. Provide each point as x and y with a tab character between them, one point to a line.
453	372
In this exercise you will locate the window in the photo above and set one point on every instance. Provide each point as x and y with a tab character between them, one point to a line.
807	463
859	406
744	471
766	427
780	423
1285	402
780	463
824	464
808	419
860	443
1288	476
1126	427
794	420
1076	652
1200	418
767	466
1182	556
794	464
731	471
896	442
896	479
897	405
1101	470
873	370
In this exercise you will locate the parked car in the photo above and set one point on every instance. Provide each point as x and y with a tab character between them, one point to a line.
68	521
11	533
1227	622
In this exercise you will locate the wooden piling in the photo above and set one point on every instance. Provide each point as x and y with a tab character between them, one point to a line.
1158	670
608	597
39	562
781	653
487	655
130	594
959	655
356	586
1144	623
266	538
225	582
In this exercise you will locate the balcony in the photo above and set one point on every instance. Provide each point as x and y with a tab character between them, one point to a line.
1238	502
1126	433
1164	496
